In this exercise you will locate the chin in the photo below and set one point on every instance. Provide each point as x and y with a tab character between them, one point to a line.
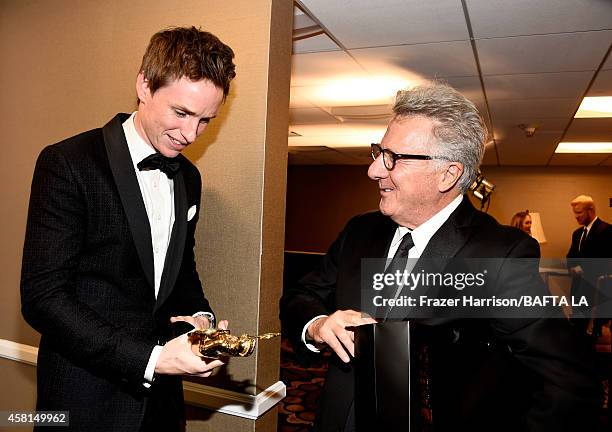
170	153
385	211
387	206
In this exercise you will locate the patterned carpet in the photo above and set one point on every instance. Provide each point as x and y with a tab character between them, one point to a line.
297	411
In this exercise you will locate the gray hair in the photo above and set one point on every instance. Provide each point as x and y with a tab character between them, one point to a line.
459	130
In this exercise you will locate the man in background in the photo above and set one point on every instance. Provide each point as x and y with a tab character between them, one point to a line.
108	261
423	167
592	240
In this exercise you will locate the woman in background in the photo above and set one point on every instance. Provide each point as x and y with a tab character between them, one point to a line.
522	221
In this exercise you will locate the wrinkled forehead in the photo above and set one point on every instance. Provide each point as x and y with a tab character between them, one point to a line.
409	132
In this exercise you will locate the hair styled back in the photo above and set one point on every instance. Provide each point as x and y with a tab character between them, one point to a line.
459	131
187	52
585	201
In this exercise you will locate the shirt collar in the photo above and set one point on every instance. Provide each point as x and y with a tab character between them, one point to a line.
138	147
589	226
424	232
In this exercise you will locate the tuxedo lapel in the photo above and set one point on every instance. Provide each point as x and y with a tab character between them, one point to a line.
174	254
129	191
453	234
595	230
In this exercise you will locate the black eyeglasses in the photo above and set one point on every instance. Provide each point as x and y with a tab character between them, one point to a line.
389	157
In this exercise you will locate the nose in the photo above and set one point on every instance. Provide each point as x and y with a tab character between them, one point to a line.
377	169
191	129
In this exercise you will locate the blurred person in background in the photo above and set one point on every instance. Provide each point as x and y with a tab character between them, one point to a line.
522	221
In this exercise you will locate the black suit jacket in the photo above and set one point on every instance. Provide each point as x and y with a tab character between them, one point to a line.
87	281
596	245
549	369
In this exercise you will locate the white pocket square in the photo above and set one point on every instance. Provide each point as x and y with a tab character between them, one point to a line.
191	212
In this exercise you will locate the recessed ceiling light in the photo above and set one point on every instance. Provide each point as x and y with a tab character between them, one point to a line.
336	137
593	107
584	147
359	91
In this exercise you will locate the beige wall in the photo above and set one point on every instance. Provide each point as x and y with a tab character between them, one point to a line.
549	192
69	66
321	199
18	380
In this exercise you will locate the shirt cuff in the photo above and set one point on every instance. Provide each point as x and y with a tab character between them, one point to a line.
209	316
310	346
150	370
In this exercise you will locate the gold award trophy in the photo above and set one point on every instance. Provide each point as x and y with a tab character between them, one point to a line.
215	343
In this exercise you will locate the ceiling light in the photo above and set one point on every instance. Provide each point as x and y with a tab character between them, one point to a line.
592	107
584	147
361	112
339	141
334	136
359	91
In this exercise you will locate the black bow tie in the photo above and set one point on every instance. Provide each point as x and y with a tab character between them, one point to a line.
169	166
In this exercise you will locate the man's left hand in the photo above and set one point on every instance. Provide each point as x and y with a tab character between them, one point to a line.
199	322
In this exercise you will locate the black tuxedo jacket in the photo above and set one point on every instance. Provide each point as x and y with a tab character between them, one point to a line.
597	244
87	281
541	380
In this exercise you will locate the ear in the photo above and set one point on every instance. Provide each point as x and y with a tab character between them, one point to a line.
450	176
142	88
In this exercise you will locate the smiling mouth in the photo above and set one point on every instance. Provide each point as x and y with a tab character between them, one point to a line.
177	142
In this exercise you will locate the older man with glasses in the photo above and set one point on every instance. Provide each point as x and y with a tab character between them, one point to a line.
541	377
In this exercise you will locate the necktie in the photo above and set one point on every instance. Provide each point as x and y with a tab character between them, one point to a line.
400	259
398	263
582	238
169	166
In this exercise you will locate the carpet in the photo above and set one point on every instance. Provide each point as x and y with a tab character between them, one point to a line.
296	411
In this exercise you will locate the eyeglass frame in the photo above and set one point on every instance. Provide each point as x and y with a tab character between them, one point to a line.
398	156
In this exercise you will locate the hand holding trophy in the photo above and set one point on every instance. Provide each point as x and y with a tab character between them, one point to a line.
218	342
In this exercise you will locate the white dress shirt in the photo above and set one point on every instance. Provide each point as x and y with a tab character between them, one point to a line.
589	226
157	192
420	236
424	232
578	269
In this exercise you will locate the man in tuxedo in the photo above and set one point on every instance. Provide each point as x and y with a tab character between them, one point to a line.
592	240
495	374
108	261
